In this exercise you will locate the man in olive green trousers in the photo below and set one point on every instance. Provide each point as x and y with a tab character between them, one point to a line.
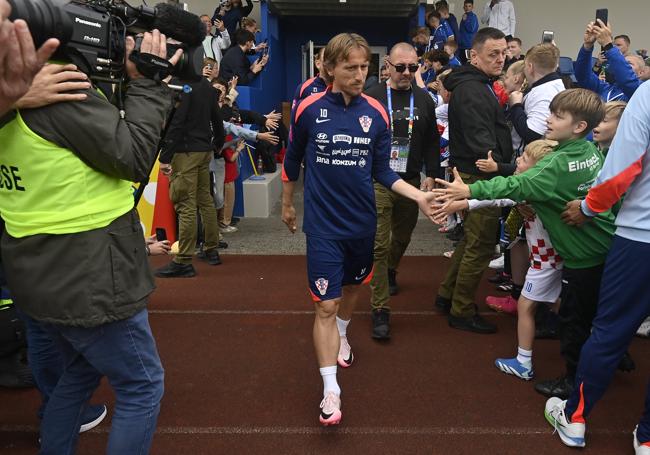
479	131
415	144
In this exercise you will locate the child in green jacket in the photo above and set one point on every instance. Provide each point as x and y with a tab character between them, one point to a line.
563	175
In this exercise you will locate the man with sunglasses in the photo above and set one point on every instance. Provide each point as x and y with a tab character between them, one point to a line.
414	145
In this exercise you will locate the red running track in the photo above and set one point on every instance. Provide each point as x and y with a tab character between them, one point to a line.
241	375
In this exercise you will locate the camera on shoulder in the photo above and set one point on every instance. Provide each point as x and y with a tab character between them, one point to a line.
93	35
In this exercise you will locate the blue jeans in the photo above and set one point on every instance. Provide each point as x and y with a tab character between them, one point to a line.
44	359
123	351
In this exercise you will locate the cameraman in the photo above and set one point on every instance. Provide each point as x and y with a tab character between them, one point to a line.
19	61
74	252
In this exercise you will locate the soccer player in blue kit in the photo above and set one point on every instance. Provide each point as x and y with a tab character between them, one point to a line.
343	137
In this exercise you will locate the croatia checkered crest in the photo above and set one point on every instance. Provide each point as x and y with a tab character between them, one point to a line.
321	285
365	123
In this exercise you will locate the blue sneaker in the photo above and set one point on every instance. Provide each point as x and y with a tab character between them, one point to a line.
514	367
92	416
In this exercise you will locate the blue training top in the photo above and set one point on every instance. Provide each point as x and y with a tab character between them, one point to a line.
343	148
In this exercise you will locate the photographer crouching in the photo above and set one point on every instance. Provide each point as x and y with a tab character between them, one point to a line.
74	252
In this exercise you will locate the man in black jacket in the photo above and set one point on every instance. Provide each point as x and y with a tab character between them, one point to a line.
195	132
235	62
416	142
477	126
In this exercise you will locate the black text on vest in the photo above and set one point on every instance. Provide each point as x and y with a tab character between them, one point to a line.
9	178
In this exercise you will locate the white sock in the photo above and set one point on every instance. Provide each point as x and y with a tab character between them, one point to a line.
343	326
329	380
524	356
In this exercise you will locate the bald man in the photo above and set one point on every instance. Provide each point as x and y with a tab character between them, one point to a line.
414	145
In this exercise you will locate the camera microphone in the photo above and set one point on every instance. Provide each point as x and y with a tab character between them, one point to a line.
178	24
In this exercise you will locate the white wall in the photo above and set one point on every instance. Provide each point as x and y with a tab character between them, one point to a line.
568	19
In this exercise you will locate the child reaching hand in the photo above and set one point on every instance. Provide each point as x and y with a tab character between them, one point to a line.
543	282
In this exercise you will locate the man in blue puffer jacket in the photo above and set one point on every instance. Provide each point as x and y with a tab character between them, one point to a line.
626	70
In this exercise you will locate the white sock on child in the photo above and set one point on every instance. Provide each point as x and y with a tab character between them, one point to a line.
343	326
329	380
524	356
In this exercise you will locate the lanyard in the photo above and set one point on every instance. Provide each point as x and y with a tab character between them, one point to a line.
389	100
492	90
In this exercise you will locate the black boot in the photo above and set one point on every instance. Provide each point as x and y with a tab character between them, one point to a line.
392	282
561	387
474	324
176	270
212	257
443	304
381	324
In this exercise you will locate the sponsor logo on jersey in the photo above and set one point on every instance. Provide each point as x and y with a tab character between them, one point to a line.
355	152
365	123
320	159
321	150
322	138
362	162
321	285
323	120
589	163
362	140
339	162
342	138
341	152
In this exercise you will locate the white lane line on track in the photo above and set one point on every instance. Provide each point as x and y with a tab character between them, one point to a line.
301	312
354	431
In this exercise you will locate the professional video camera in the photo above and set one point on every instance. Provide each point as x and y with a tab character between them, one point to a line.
93	35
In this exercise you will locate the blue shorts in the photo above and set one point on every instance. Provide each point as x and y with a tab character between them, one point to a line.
332	264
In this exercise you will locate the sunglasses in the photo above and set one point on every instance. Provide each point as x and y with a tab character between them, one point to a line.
401	67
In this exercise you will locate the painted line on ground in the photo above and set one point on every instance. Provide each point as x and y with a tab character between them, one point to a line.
354	431
302	312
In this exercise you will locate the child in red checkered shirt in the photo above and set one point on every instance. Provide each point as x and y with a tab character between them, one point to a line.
543	282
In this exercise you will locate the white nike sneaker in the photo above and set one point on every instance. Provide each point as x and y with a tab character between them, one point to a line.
571	434
330	409
345	357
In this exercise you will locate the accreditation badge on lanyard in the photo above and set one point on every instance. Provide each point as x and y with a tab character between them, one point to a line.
399	146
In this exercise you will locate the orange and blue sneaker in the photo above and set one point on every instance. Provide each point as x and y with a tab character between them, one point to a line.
515	368
330	409
345	357
572	434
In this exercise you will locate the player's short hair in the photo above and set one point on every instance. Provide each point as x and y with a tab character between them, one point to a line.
538	149
243	36
338	48
582	105
614	109
485	34
624	38
544	56
452	43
